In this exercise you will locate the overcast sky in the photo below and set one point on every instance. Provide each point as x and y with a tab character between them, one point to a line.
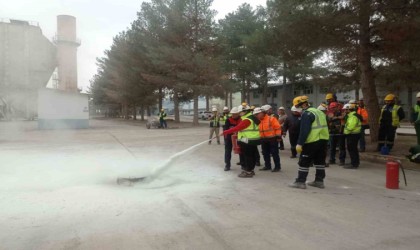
98	21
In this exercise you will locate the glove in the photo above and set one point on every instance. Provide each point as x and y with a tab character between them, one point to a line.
299	149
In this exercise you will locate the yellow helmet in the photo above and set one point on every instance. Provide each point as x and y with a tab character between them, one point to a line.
296	100
329	96
252	107
389	97
302	99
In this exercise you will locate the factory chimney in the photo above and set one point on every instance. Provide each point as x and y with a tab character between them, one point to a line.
67	43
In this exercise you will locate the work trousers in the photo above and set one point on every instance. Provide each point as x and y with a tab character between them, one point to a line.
228	149
163	123
417	128
312	153
352	140
339	140
386	136
293	138
271	148
214	130
248	154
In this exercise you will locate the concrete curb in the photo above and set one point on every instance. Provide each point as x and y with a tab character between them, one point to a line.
382	159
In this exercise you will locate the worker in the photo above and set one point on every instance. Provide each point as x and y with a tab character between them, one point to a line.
292	124
389	120
332	100
415	118
162	118
311	145
270	111
248	139
282	117
335	117
231	122
323	107
257	156
214	125
362	111
270	133
352	130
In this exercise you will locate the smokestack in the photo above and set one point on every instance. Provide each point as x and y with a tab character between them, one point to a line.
67	43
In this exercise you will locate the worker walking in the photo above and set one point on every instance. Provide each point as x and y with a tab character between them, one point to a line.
231	122
352	130
214	125
391	115
162	119
312	145
270	133
248	139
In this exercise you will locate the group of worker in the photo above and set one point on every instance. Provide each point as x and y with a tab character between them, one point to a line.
311	132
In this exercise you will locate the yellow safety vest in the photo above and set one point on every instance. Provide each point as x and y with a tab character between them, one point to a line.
353	124
395	117
251	133
319	129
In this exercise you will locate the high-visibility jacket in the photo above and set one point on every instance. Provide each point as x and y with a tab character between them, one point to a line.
364	114
353	124
251	133
319	128
162	115
394	112
224	118
416	110
269	128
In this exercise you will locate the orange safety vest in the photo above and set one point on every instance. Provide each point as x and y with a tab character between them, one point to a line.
363	112
269	127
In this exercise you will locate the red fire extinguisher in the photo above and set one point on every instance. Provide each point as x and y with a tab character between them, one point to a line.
236	148
392	174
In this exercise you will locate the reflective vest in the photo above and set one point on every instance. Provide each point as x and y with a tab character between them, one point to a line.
269	127
319	128
417	110
394	112
363	113
162	116
353	124
251	133
224	118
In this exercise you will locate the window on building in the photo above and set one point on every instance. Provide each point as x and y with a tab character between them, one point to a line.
308	89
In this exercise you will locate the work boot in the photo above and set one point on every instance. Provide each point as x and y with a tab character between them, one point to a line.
296	184
218	143
227	167
238	163
252	172
318	184
245	174
265	169
276	170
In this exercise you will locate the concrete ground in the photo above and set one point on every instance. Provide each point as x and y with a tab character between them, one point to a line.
58	191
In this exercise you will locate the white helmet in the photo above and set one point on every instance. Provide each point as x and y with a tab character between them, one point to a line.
322	108
234	110
282	108
346	106
418	95
352	102
266	107
257	111
214	109
296	109
243	108
225	109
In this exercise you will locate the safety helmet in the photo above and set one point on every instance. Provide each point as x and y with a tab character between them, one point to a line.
389	97
296	100
322	107
244	104
333	105
214	109
163	109
266	107
302	99
418	95
243	108
257	111
252	107
352	102
294	109
234	110
225	109
329	96
281	108
346	106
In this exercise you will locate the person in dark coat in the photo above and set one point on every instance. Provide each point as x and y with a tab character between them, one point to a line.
292	124
230	122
